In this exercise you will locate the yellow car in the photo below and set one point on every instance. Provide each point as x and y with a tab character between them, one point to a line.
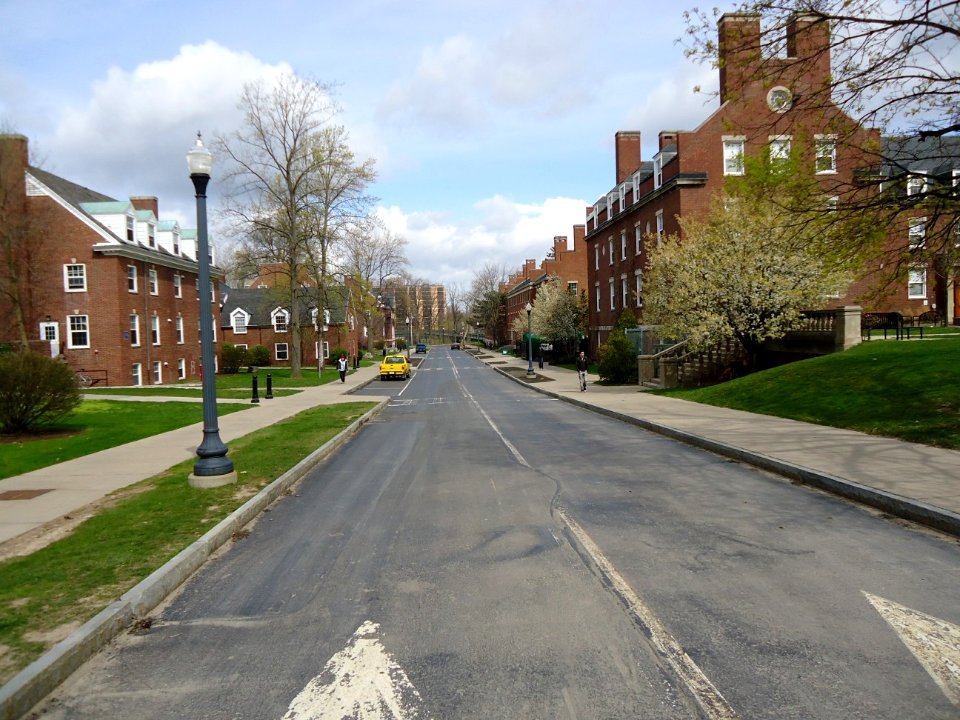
394	366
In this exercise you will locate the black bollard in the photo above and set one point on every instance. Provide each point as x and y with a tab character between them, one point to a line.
256	394
269	395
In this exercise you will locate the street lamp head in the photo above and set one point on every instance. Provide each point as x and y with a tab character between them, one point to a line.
529	307
199	159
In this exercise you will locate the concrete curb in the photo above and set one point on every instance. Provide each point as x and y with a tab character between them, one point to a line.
903	507
42	676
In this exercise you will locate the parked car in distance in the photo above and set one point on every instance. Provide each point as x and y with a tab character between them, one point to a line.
454	346
394	366
421	348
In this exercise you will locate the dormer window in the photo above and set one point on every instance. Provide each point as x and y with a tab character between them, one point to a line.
280	320
916	185
657	171
636	187
129	228
176	243
239	319
152	235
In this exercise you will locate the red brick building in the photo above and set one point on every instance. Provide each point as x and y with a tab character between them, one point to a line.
690	166
103	283
261	316
564	262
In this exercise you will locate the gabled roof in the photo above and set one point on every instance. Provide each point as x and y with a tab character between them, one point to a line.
71	192
259	303
932	156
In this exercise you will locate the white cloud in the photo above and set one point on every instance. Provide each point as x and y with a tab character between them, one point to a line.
508	233
466	82
132	136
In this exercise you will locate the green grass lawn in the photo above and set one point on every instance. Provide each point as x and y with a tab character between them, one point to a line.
45	594
97	425
238	385
907	390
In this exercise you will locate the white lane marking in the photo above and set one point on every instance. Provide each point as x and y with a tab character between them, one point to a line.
490	422
934	642
361	682
711	701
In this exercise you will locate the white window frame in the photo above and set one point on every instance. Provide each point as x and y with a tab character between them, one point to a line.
155	329
916	184
624	291
157	372
613	295
137	374
177	285
54	336
286	351
572	287
181	369
179	330
152	235
610	250
822	142
623	244
74	277
659	217
916	233
153	281
734	147
596	287
134	330
636	187
637	239
657	171
596	256
132	278
275	316
238	321
622	190
638	274
780	147
917	278
77	324
326	349
130	228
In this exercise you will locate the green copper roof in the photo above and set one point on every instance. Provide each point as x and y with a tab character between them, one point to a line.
115	207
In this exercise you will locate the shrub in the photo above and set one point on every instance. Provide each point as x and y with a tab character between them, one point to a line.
259	356
232	358
336	352
35	390
618	357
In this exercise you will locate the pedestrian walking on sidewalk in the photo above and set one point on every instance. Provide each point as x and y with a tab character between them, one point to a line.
342	368
582	370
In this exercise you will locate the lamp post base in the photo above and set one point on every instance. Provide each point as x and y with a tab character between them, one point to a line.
211	481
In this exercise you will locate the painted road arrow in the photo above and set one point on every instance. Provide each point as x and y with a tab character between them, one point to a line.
361	682
934	642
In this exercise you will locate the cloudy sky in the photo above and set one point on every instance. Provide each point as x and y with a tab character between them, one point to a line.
491	121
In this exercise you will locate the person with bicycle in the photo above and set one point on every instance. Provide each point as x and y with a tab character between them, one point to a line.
582	370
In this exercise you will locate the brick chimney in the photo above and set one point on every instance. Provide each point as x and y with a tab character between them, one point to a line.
14	159
808	39
739	35
146	202
627	153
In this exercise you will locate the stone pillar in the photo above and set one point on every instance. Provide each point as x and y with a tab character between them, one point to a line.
846	327
645	368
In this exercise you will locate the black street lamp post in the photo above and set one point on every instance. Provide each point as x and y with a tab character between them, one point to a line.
530	372
213	468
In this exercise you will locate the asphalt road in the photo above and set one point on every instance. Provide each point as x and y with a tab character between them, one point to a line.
481	551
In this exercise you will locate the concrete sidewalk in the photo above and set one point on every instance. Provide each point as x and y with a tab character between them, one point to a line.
29	503
912	481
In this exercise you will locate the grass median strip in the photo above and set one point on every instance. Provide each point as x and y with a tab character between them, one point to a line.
97	425
45	595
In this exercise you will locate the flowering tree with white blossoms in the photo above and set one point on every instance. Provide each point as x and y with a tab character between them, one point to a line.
746	270
558	315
